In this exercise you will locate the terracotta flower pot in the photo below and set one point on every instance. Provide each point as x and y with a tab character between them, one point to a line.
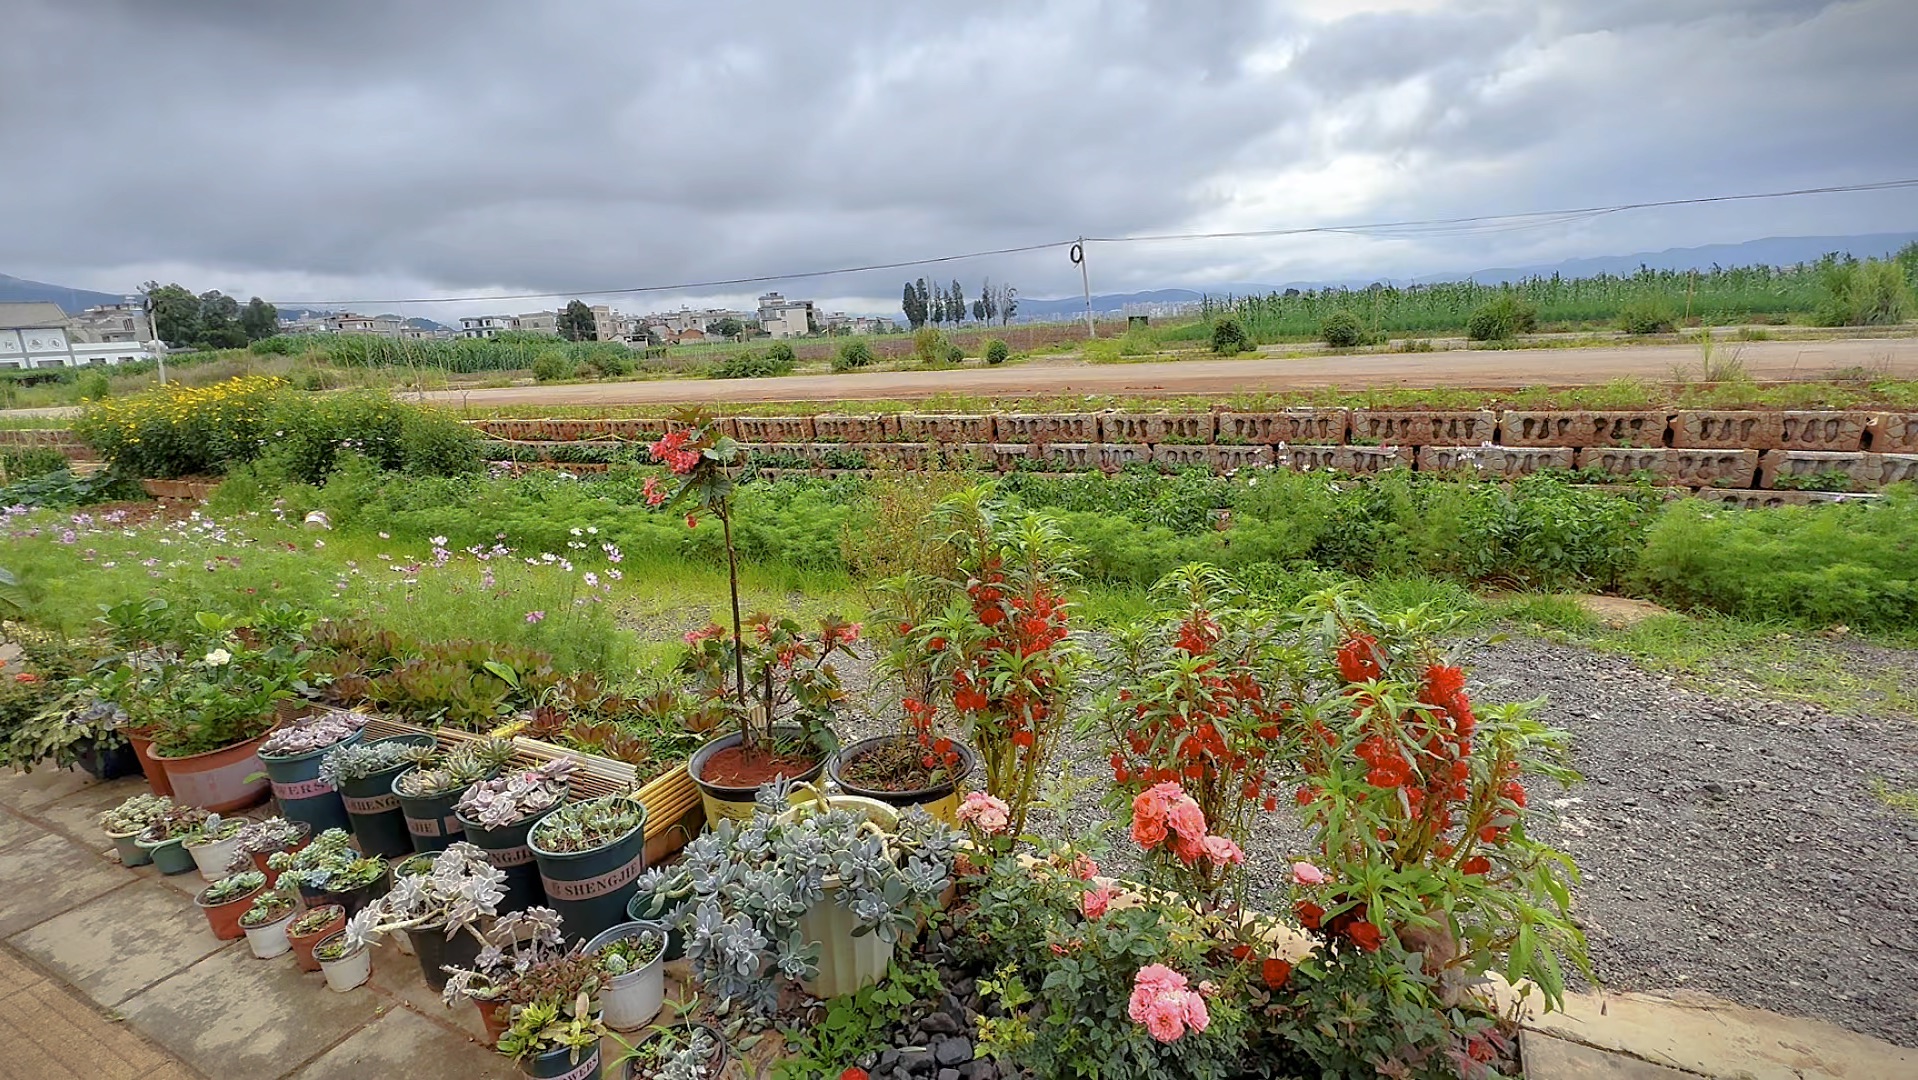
303	943
493	1016
260	857
155	770
224	917
219	780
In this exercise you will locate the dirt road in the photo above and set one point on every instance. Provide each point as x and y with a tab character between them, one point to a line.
1763	360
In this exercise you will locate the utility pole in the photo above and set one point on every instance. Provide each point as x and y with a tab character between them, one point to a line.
1085	284
156	344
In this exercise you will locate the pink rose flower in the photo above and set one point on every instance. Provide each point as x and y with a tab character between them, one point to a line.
1162	1002
1221	849
1095	902
986	813
1306	874
1186	819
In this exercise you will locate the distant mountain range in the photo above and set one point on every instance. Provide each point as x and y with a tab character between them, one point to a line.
20	290
1771	251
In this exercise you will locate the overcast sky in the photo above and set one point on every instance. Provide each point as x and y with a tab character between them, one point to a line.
360	150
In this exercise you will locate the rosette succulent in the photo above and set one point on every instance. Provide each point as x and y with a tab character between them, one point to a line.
135	814
442	772
264	838
178	821
233	886
460	889
317	733
517	795
584	826
362	759
328	864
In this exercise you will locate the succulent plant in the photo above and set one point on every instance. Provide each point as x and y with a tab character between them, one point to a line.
460	889
525	958
314	920
264	838
135	814
442	773
631	953
583	826
179	821
317	733
550	1024
328	864
754	881
268	907
233	886
215	828
677	1053
335	947
363	759
517	795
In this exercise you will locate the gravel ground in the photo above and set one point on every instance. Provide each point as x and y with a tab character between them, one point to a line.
1731	845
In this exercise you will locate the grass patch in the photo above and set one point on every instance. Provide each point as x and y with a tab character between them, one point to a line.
1906	801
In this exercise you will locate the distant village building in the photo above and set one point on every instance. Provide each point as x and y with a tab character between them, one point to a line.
486	326
114	323
783	318
41	335
348	323
538	322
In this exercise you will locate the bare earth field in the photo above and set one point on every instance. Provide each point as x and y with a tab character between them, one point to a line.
1764	361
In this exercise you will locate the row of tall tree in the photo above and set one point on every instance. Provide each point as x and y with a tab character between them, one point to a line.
938	303
211	320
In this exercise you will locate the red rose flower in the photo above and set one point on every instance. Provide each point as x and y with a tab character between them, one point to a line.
1275	972
1309	914
1364	935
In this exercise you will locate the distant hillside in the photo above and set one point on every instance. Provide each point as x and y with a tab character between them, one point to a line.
20	290
1771	251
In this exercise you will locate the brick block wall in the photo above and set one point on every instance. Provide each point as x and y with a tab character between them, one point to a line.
1581	429
1424	428
1695	429
1500	461
1838	431
1309	427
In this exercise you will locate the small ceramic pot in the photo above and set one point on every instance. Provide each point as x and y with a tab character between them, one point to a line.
213	857
269	940
131	853
303	943
224	917
347	972
168	856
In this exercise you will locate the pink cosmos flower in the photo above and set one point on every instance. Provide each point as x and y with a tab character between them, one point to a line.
535	616
1306	874
986	813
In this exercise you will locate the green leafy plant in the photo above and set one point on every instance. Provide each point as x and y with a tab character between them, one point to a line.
233	886
329	864
135	814
540	1027
852	356
267	908
1341	330
593	823
443	771
1502	319
996	352
1229	337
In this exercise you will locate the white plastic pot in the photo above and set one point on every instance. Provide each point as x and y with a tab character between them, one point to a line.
846	963
270	940
349	971
213	858
631	1001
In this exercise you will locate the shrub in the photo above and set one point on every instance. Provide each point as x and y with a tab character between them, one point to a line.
929	345
1648	314
21	462
852	355
752	365
93	385
1870	293
176	431
782	355
1502	319
955	355
996	351
1229	337
1341	330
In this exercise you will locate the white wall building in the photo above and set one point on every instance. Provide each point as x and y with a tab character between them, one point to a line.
40	335
783	318
486	326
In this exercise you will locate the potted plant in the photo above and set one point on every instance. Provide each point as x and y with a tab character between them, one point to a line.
224	901
677	1052
429	790
212	843
497	814
661	893
902	769
555	1037
363	773
124	823
164	838
443	909
260	839
632	965
526	958
822	892
266	921
293	755
309	929
63	721
217	710
345	963
590	856
778	684
328	871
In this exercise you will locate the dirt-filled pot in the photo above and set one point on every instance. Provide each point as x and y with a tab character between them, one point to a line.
940	800
589	889
269	939
131	853
348	970
141	739
379	824
224	917
630	1001
493	1017
506	849
431	824
303	942
558	1064
214	856
353	901
735	801
302	795
220	780
435	952
169	856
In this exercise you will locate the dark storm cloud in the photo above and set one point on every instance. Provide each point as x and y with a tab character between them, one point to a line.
453	147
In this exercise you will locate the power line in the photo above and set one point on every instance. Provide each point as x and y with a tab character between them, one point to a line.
1480	223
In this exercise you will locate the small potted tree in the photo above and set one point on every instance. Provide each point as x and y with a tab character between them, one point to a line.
590	856
293	755
433	786
329	871
632	965
124	823
443	910
265	923
261	839
555	1037
346	963
363	773
224	901
212	843
164	839
497	814
310	929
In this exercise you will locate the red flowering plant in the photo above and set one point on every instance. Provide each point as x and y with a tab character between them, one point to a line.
923	752
1200	704
1423	876
999	651
790	677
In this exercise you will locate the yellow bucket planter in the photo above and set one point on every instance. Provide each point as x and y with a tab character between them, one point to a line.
941	800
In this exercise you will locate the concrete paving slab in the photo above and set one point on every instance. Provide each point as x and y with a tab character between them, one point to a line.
232	1016
1547	1058
46	876
17	830
123	942
403	1043
50	1033
77	814
398	974
25	791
